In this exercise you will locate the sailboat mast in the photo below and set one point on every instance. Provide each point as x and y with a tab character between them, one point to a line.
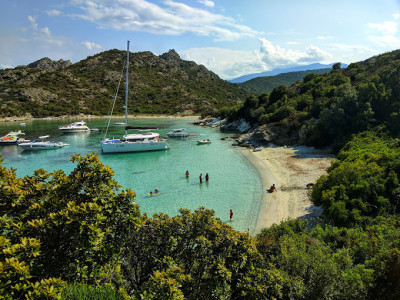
126	88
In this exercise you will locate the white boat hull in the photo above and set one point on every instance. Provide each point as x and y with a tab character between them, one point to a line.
124	146
74	130
40	146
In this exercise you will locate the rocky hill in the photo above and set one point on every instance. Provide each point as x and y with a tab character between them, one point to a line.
50	65
163	84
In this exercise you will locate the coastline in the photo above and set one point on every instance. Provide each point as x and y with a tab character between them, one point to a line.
82	116
290	169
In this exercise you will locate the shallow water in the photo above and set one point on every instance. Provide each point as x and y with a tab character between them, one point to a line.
234	182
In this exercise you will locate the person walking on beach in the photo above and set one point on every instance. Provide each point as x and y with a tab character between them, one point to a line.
187	173
230	215
201	178
207	177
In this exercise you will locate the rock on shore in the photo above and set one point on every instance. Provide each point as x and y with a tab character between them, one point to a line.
253	136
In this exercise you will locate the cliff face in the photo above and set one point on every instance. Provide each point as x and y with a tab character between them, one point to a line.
163	84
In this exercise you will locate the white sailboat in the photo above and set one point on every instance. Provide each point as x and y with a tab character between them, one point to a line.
137	142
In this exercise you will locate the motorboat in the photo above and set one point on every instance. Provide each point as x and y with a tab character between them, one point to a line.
119	123
41	144
74	127
180	132
12	138
137	142
202	142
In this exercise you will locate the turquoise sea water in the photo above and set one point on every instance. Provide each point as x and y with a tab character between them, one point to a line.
234	182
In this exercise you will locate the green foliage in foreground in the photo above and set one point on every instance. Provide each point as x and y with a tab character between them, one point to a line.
78	237
79	291
363	183
328	262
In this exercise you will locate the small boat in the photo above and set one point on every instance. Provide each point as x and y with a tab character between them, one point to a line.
201	142
22	124
259	148
12	138
41	144
119	123
74	127
180	132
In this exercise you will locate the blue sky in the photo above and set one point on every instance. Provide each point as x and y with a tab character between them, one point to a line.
229	37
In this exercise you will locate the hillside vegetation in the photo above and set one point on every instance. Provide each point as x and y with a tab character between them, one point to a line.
325	110
266	84
162	84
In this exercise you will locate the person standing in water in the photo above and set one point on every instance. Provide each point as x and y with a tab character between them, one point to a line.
201	178
230	215
207	177
187	173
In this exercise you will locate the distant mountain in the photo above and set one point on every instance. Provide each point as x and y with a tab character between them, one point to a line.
284	70
163	84
266	84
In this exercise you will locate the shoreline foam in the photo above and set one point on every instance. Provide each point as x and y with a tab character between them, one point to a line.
290	169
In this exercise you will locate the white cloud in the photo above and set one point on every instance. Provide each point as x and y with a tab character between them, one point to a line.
207	3
226	63
386	41
388	27
234	63
324	37
396	16
173	18
53	12
387	31
91	45
32	20
45	31
275	56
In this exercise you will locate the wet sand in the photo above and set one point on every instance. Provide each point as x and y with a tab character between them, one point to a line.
290	169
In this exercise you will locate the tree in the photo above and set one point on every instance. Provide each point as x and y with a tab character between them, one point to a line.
79	219
336	66
201	256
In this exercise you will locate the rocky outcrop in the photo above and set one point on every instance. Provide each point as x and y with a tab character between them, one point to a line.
248	136
50	65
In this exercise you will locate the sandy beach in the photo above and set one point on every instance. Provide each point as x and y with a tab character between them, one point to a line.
290	169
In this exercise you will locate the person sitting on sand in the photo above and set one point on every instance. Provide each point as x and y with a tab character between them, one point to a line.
272	189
